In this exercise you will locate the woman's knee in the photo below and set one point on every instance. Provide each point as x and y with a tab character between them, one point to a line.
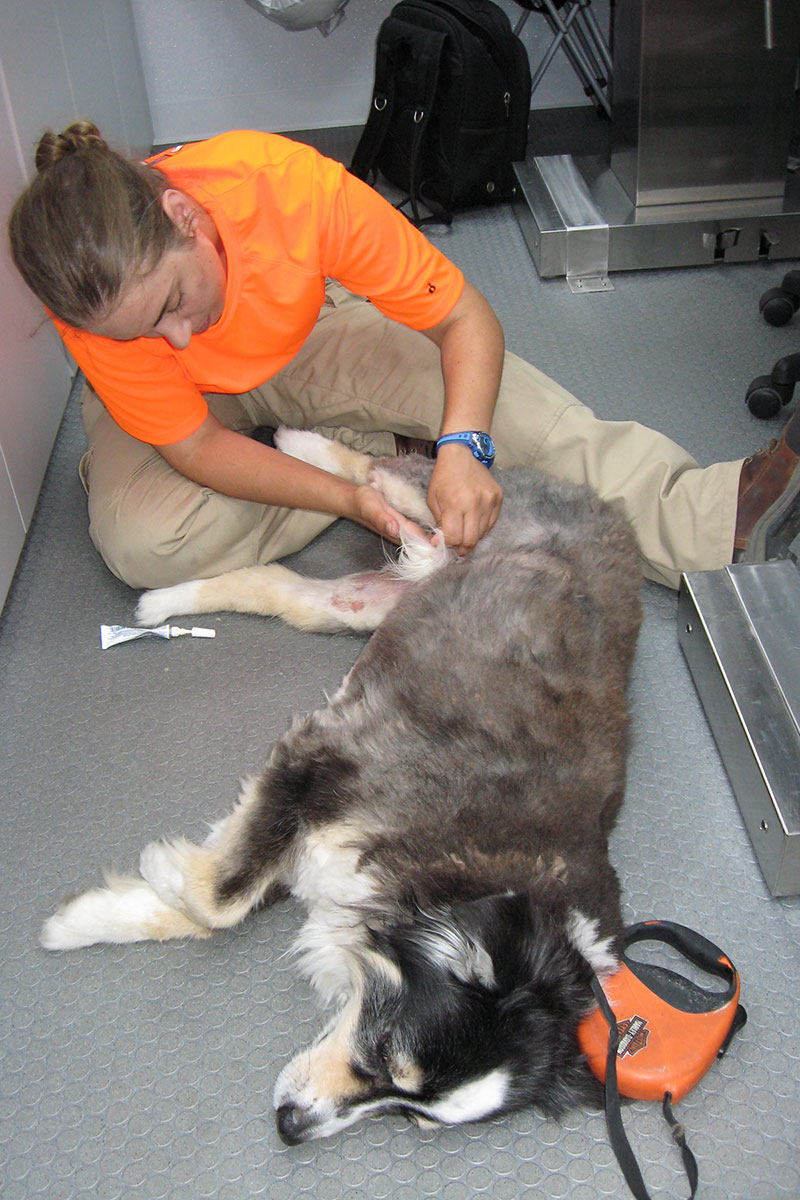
159	545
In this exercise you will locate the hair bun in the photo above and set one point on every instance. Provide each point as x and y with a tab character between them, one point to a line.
76	138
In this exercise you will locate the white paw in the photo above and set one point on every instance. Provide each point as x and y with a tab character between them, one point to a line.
68	929
156	607
303	444
321	452
125	911
158	865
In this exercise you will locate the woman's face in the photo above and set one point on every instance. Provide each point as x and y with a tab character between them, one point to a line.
183	295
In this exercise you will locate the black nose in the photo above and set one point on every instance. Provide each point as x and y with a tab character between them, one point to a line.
293	1123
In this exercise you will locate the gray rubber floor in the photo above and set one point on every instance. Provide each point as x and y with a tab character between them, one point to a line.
147	1071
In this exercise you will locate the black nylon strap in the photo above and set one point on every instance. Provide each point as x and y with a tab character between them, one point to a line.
429	47
616	1131
428	63
679	1137
380	115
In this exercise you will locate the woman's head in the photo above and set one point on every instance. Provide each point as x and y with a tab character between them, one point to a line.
90	223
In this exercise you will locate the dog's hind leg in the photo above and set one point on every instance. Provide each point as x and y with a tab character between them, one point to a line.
358	602
322	452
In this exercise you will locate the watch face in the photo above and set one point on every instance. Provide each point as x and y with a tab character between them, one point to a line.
484	444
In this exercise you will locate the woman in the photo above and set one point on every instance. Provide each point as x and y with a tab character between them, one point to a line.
220	288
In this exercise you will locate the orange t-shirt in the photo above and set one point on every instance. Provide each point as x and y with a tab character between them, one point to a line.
288	218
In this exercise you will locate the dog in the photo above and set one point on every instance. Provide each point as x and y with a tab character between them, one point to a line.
444	817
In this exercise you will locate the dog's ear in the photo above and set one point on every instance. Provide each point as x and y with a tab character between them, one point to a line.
443	941
527	944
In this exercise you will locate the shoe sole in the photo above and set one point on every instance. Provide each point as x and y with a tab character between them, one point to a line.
756	548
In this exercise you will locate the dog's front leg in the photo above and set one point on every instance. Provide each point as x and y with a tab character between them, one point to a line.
402	481
216	884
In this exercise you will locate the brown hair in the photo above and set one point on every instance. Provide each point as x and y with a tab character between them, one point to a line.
90	221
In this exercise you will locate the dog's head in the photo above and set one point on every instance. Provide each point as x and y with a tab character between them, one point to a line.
453	1017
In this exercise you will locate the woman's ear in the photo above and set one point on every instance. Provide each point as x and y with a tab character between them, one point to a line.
180	210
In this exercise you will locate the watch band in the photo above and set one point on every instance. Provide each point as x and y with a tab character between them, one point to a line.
476	440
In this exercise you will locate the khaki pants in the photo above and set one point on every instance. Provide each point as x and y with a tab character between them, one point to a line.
361	378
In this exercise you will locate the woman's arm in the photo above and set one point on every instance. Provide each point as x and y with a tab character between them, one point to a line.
463	496
235	465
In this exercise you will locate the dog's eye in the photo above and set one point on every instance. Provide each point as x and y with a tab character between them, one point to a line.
374	1067
361	1073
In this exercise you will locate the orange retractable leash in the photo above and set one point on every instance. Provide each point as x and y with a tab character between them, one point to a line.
655	1034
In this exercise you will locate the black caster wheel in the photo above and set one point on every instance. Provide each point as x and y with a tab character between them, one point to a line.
778	305
765	399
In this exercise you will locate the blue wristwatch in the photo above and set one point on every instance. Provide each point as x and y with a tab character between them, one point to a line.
479	443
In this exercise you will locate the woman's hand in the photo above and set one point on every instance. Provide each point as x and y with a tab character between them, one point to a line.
463	497
371	509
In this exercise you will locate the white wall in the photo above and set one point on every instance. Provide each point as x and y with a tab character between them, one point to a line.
59	59
212	65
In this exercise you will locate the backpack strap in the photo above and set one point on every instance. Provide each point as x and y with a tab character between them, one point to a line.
428	47
380	113
429	58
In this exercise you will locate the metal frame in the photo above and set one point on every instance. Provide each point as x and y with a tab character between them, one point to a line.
578	34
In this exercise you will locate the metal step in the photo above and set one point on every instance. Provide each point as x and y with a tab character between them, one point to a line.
579	222
739	629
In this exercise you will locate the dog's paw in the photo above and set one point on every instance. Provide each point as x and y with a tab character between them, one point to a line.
406	495
159	865
156	607
126	910
304	444
79	922
321	452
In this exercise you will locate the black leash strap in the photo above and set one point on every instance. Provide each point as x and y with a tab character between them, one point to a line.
679	1137
616	1131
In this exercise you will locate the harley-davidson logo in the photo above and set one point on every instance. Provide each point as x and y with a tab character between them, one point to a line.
633	1036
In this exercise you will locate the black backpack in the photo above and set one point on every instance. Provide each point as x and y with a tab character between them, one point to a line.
450	105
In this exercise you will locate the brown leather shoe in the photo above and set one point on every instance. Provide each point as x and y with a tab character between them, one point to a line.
409	445
768	505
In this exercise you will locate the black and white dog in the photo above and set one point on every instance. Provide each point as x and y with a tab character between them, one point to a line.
444	818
